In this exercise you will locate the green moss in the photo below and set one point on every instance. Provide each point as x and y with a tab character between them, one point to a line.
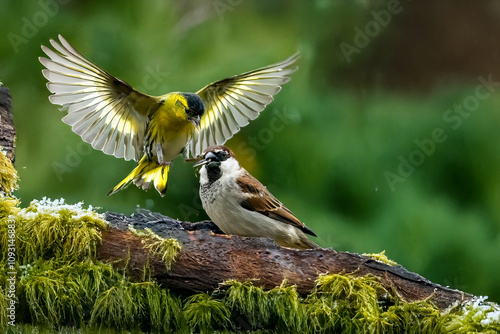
381	257
249	303
30	329
165	248
53	229
8	174
289	310
476	316
204	313
3	305
345	302
128	305
164	309
8	206
117	307
52	297
252	307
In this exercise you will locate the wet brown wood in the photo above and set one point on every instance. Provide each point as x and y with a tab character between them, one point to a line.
7	130
209	257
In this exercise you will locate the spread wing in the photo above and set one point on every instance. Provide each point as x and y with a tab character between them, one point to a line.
262	201
105	111
231	103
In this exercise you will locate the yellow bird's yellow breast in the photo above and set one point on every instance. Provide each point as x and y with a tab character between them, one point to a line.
169	126
171	113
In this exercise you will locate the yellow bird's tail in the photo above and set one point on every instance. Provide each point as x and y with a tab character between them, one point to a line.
146	172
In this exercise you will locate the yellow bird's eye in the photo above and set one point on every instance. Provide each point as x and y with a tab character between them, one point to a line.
180	104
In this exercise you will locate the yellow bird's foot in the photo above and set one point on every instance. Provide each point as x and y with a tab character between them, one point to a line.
159	155
147	173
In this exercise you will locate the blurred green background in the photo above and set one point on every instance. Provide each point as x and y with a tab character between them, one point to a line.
386	138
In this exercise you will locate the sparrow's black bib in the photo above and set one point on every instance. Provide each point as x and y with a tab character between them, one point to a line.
213	171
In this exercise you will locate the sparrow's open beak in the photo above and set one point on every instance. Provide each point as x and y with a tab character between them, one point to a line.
208	158
201	162
196	122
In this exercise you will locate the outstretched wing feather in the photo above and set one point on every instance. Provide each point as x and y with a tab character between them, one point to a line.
105	111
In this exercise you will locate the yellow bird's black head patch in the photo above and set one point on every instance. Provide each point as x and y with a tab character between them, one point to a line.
195	107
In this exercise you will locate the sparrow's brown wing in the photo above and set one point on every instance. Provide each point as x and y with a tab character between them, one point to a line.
262	201
231	103
105	111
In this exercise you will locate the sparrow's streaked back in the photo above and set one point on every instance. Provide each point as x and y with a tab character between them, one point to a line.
239	204
117	119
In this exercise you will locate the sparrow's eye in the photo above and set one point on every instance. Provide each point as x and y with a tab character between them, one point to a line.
222	155
216	156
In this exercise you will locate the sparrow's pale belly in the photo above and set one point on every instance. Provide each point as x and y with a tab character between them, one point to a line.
222	202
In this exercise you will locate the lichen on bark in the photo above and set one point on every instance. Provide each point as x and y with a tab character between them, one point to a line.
61	286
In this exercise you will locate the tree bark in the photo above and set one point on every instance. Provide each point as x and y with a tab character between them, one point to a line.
208	257
7	130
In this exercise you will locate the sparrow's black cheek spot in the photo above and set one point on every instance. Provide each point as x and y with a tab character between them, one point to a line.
213	165
213	171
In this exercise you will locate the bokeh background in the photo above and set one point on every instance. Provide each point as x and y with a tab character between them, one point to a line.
387	137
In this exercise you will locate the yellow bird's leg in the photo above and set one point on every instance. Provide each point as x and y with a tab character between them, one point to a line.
159	153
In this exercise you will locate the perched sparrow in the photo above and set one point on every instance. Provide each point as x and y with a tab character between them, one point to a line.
118	120
239	204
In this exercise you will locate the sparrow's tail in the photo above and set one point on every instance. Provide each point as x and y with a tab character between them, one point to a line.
303	242
308	244
146	172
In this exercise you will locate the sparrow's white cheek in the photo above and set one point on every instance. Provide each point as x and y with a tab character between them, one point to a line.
203	175
230	168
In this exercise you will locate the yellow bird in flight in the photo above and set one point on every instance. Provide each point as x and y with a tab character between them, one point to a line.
121	121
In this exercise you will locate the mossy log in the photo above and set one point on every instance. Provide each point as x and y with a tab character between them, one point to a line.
208	258
8	174
7	130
